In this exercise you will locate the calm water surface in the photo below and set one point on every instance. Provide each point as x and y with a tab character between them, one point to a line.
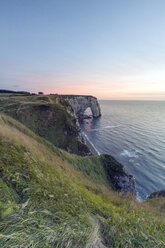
134	133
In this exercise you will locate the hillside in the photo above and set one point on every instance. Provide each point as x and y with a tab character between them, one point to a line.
50	198
47	117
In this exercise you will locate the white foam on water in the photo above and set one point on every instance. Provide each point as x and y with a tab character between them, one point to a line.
129	154
137	164
139	193
138	197
111	126
90	142
106	127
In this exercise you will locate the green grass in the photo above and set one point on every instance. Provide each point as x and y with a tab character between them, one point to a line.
48	118
48	198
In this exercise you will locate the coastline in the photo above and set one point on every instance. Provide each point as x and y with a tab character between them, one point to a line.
90	145
95	152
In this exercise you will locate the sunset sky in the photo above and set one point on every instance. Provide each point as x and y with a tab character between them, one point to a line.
112	49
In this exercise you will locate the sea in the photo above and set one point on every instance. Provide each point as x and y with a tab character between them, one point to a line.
134	133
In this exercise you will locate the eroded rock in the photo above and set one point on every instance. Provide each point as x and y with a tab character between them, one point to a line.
157	194
81	103
118	178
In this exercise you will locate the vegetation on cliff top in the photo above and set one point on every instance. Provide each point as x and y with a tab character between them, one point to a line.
50	198
48	118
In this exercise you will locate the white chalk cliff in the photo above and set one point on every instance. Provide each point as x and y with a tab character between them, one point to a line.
80	103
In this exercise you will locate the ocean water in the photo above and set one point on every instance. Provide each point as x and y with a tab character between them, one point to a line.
134	133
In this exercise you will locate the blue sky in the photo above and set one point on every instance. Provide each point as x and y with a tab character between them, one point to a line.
114	49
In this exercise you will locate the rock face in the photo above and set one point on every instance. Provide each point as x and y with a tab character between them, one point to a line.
157	194
125	183
50	121
119	179
81	103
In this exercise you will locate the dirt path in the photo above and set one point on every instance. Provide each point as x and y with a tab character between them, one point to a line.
95	240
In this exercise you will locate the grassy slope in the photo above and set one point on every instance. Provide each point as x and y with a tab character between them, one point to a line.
46	201
47	118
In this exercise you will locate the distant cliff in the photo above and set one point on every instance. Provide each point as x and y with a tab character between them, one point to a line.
50	117
54	117
80	103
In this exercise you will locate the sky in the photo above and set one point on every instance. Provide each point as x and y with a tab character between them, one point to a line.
112	49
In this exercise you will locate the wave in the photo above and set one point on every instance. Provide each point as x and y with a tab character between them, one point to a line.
112	126
130	154
106	127
91	144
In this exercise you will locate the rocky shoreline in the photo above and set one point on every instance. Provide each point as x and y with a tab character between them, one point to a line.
122	182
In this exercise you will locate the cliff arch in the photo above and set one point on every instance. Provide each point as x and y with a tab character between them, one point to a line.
81	103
